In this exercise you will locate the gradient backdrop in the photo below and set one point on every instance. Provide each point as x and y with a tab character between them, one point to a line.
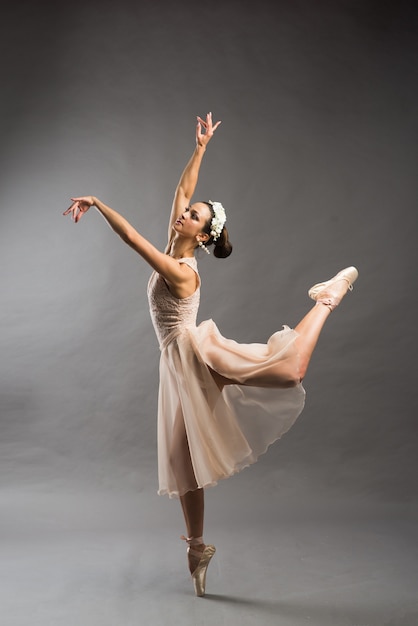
315	162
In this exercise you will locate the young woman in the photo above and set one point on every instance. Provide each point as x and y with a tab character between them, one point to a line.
221	404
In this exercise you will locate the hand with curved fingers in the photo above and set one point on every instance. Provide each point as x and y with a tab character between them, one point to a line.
79	207
203	138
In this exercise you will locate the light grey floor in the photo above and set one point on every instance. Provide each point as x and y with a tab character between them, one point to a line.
100	559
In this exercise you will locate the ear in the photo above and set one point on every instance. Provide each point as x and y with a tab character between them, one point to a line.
203	237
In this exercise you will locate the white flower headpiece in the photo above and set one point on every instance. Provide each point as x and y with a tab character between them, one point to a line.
218	220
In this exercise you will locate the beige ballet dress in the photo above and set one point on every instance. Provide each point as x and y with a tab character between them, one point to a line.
226	430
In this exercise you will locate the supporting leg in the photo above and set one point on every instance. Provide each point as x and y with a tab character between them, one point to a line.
193	505
192	502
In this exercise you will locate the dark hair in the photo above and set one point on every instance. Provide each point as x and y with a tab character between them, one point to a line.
223	247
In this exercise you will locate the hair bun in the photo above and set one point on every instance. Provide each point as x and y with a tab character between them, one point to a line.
222	246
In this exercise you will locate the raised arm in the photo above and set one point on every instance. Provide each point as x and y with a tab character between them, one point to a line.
188	180
179	275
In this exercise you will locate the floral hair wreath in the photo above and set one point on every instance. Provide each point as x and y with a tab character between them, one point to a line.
218	220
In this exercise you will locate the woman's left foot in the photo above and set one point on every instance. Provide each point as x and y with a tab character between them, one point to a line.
332	291
199	558
199	574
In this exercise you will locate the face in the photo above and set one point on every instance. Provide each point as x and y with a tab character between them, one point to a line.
193	220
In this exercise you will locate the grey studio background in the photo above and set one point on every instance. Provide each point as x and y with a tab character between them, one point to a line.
315	162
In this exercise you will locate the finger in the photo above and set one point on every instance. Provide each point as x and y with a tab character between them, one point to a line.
71	208
76	211
201	121
216	125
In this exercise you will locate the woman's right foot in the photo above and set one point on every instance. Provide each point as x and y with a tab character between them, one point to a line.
332	291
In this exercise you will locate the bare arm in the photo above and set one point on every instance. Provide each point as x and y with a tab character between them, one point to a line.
179	275
188	180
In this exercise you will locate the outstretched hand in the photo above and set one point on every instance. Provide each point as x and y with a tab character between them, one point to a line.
205	130
79	207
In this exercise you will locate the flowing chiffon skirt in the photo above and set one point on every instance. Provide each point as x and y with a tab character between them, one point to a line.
226	430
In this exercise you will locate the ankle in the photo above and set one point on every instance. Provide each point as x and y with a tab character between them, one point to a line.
193	541
196	545
195	550
329	303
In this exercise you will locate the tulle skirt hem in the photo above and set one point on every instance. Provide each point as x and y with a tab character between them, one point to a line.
206	434
178	493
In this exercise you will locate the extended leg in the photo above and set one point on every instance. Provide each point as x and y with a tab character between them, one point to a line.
327	295
309	329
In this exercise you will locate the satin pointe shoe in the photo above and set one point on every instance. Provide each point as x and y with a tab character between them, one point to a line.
199	573
331	294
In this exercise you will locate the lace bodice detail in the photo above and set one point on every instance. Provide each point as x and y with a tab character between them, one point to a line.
170	315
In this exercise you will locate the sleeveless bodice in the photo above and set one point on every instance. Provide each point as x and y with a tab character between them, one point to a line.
170	315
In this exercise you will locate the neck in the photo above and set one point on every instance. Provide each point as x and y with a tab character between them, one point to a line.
181	249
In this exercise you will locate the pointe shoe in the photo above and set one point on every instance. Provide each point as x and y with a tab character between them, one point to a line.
327	294
199	573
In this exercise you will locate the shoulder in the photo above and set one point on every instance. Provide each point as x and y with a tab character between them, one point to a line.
190	265
191	279
190	262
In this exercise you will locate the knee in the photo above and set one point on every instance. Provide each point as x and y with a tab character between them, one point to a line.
293	381
277	378
281	380
303	366
292	377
